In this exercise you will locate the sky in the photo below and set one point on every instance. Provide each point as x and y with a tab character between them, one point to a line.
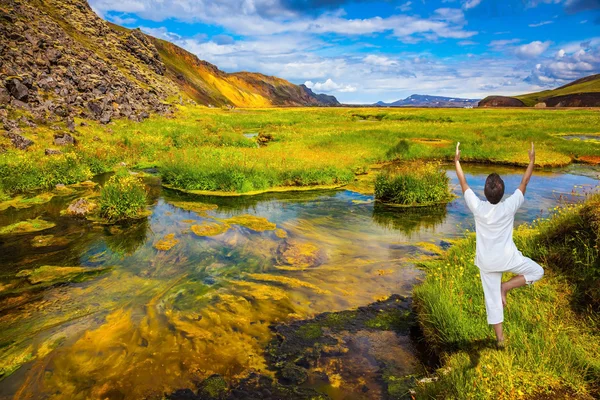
364	51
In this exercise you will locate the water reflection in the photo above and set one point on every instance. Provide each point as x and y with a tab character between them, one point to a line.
157	320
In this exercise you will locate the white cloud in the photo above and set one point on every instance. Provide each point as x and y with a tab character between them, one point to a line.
542	23
379	60
468	4
531	50
329	86
583	21
467	43
405	7
498	45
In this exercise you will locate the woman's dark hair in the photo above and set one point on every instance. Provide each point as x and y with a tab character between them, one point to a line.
494	188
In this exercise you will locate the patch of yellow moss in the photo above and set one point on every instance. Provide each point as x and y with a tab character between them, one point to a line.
22	202
253	222
167	243
291	282
209	229
49	273
27	226
193	206
300	255
280	233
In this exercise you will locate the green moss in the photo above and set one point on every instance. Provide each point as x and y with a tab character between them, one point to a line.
310	331
396	320
27	226
214	387
52	274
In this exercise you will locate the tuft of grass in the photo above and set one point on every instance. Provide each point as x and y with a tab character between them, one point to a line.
552	348
413	184
122	197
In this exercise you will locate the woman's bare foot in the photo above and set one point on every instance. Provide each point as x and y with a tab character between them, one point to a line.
503	292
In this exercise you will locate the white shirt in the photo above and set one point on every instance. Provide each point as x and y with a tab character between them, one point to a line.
496	250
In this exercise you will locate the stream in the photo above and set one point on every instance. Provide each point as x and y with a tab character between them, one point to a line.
140	322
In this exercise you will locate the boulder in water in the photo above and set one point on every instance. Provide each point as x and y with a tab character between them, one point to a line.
81	207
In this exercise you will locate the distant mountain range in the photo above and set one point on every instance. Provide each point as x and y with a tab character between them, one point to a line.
424	100
584	92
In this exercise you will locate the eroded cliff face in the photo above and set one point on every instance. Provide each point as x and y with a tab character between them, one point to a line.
59	60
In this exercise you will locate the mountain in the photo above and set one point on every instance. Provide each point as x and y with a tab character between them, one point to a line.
420	100
584	92
323	98
59	60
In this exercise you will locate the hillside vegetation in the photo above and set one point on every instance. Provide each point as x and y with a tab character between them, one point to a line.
584	92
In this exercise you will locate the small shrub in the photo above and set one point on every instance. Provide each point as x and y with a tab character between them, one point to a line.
122	197
413	184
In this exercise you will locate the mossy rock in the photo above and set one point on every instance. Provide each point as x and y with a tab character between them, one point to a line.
253	222
27	226
209	229
20	202
293	374
213	387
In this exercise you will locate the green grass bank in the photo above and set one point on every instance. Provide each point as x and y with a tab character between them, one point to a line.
553	346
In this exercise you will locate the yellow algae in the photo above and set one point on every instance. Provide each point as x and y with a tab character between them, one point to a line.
262	292
22	202
300	254
193	206
430	247
188	221
275	189
49	273
253	222
291	282
167	243
27	226
280	233
209	229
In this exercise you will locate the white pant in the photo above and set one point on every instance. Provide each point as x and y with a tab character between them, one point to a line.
491	282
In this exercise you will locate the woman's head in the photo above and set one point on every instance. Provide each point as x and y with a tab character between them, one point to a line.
494	188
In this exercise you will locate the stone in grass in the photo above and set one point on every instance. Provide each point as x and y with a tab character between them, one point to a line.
253	222
27	226
17	89
209	229
18	141
64	139
81	208
52	152
167	243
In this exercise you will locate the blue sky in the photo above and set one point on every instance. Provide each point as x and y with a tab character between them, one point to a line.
363	51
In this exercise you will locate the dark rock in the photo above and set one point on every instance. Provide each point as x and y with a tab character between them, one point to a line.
574	100
294	374
52	152
71	124
20	104
106	117
96	108
81	207
64	139
17	89
4	95
501	101
19	141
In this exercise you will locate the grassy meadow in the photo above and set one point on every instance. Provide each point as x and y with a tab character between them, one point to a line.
205	149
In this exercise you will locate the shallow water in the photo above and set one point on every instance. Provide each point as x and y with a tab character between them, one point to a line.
151	321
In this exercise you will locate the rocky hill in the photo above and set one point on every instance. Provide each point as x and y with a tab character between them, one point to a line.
424	100
584	92
59	60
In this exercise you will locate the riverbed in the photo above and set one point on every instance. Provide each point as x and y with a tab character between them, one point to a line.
150	320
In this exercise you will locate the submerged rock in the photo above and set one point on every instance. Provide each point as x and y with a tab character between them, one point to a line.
49	240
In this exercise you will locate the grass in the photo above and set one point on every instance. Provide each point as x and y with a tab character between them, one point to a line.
122	197
586	85
204	149
413	184
553	343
